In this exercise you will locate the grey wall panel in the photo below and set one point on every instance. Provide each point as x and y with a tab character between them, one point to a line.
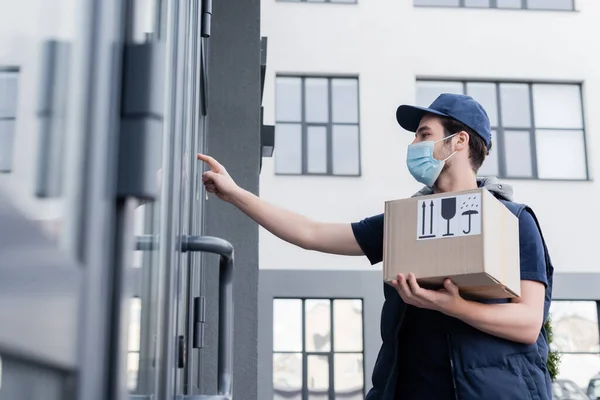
576	286
233	138
367	285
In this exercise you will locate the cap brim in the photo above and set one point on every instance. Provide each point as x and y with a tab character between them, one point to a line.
409	117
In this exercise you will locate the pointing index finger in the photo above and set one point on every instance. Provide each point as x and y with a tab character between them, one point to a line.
212	163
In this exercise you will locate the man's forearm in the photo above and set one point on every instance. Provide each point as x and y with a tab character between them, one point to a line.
513	321
287	225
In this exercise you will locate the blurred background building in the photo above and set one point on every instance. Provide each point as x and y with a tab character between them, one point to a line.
104	292
338	69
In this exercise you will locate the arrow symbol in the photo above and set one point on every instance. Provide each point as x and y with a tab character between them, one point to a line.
423	224
430	217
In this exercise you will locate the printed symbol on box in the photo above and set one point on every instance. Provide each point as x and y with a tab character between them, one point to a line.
470	208
448	212
470	214
427	228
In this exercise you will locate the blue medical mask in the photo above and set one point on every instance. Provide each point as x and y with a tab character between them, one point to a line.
421	164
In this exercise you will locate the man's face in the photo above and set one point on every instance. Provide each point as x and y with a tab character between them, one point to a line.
431	129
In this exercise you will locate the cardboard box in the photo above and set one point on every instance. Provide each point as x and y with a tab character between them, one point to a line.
469	236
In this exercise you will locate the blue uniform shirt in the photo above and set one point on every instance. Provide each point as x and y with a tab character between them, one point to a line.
423	353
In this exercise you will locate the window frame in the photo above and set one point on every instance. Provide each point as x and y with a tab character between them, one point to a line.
598	326
304	125
15	71
597	321
329	354
319	2
499	140
494	6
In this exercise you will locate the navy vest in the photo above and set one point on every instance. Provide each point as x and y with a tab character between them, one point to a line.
483	366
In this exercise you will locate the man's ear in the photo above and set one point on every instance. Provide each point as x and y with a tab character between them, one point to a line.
462	141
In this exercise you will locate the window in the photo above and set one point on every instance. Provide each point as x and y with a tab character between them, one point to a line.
537	128
318	349
8	114
133	347
576	337
561	5
322	1
316	130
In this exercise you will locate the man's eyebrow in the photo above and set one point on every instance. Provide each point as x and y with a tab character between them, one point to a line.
423	128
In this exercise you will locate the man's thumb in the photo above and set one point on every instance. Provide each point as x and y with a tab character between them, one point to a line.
450	286
211	175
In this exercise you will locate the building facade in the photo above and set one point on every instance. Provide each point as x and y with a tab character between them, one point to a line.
337	72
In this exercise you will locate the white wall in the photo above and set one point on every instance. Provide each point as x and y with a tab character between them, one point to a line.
388	44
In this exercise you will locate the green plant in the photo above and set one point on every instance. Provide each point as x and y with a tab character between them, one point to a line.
553	362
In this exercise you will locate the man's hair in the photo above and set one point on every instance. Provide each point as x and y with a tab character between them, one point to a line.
477	148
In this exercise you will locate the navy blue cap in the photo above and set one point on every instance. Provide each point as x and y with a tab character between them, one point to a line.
460	107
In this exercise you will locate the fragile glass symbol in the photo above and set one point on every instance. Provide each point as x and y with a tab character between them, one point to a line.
448	212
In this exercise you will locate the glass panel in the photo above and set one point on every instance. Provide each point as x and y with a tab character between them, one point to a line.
485	94
133	362
344	98
134	324
143	23
8	94
288	99
575	326
287	325
446	3
477	3
7	137
287	376
288	148
557	106
348	376
509	3
145	310
594	388
517	153
316	102
428	91
563	389
318	325
139	222
347	325
560	154
490	164
579	369
515	110
25	76
550	4
345	150
317	379
316	149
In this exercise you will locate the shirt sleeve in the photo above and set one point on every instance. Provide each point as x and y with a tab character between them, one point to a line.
369	235
533	260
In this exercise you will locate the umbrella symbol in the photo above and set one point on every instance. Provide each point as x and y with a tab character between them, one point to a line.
469	213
